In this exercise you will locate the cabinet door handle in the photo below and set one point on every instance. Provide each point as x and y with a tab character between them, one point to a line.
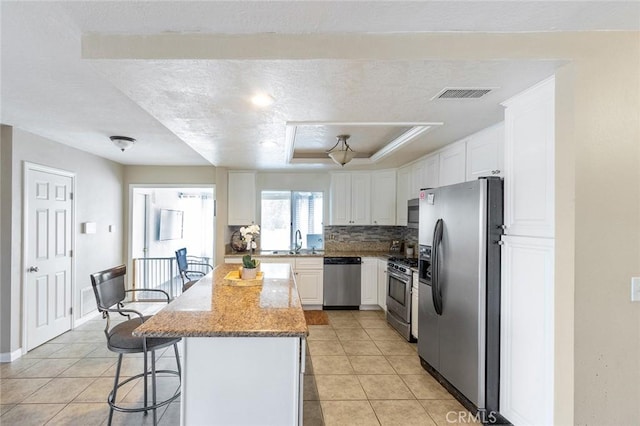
500	243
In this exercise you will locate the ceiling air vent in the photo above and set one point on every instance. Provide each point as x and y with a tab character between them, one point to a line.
461	93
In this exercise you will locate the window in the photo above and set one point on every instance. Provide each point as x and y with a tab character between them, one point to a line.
284	213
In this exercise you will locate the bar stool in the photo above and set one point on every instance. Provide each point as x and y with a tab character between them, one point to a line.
109	290
190	277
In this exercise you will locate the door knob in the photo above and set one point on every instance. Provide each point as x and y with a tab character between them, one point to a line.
33	269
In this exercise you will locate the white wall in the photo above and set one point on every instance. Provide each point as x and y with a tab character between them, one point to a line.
98	199
197	221
174	175
6	137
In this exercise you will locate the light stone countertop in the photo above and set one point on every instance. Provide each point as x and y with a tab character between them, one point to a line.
211	309
356	253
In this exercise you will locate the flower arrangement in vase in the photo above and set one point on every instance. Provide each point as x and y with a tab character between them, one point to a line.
250	267
249	236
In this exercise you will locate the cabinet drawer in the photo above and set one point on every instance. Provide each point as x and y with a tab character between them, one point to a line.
309	263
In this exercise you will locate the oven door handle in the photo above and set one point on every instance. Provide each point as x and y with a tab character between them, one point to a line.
399	277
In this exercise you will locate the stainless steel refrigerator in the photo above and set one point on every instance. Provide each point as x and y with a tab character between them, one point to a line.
459	290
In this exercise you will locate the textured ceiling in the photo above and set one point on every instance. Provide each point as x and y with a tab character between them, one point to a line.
196	110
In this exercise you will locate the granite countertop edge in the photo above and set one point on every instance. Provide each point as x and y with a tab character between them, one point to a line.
191	333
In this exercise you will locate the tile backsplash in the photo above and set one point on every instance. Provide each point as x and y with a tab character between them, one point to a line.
353	238
369	238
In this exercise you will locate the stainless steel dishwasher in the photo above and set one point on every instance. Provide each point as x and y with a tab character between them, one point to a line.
342	282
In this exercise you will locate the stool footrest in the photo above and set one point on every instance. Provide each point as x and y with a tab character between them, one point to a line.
113	405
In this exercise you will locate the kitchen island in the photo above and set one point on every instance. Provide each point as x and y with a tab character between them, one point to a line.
243	349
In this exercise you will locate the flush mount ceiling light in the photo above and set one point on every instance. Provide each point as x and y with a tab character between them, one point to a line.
262	100
122	142
342	155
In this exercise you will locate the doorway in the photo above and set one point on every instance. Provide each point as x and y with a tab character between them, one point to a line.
163	219
48	235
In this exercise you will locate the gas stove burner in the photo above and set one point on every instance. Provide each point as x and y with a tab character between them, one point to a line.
406	261
402	264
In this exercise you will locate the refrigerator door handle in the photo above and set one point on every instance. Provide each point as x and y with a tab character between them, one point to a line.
436	293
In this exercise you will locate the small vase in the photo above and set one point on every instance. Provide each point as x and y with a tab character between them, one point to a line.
249	273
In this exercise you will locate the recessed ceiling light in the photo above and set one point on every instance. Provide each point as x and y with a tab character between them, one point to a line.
262	100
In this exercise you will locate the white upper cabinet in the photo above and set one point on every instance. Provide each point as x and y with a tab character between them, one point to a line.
485	155
383	205
452	164
360	199
431	171
417	179
402	195
350	198
241	208
530	161
340	199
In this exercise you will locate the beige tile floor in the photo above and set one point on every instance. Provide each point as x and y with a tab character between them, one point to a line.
359	372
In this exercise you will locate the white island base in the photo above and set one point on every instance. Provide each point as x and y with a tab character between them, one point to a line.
242	381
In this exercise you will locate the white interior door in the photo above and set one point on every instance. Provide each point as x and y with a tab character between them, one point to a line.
48	264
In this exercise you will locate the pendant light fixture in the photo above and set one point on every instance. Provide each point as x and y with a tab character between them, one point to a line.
122	142
342	155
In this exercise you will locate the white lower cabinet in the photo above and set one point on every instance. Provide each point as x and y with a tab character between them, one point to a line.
414	306
309	275
382	283
526	334
308	272
369	281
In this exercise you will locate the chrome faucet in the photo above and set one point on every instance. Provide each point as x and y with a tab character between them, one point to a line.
298	244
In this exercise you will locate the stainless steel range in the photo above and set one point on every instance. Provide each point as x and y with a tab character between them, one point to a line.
399	282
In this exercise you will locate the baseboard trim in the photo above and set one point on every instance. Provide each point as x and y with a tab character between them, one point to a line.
85	318
370	308
312	307
11	356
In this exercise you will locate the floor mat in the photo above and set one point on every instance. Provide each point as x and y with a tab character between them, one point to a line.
316	317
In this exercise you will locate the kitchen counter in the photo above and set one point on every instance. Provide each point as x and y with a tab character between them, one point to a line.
243	348
211	309
277	253
356	253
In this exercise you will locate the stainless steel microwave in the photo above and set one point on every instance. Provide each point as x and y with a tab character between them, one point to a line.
413	213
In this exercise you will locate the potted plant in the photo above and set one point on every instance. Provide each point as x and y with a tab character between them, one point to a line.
249	236
249	267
